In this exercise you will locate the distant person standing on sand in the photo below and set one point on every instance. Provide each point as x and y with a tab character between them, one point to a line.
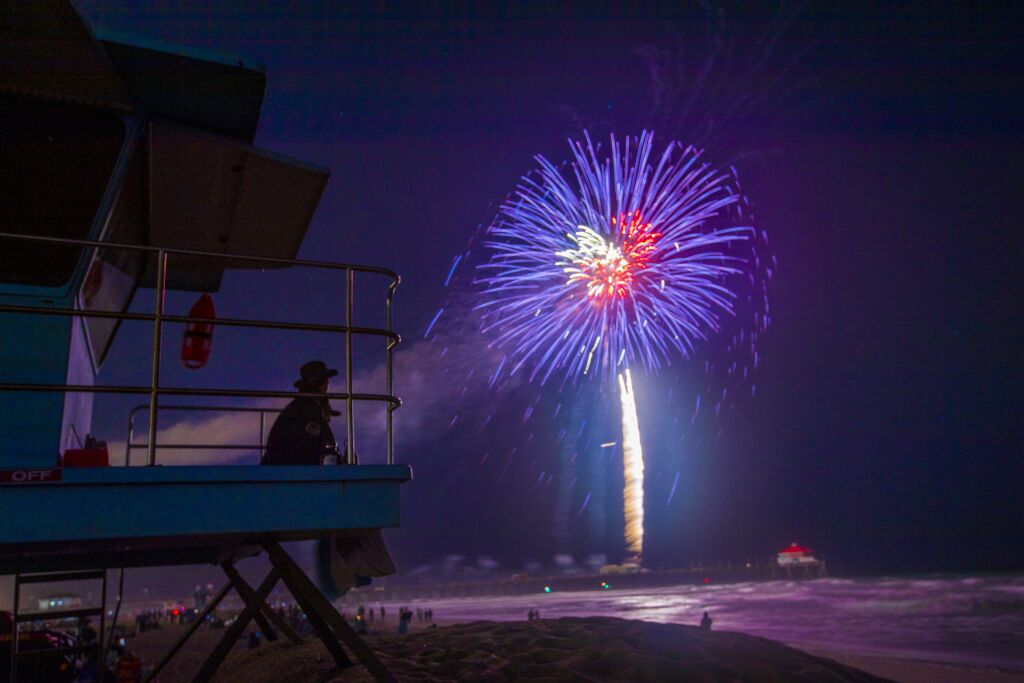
705	622
403	622
86	633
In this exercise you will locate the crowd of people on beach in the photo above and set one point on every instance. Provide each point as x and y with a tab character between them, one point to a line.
132	668
368	613
151	619
366	617
292	614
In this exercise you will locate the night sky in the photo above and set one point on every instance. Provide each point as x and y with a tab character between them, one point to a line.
885	165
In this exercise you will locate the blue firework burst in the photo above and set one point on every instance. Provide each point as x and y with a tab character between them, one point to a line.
620	258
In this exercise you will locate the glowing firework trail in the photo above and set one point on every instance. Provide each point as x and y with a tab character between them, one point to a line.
633	467
620	262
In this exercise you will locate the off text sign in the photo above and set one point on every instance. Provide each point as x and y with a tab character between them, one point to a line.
29	476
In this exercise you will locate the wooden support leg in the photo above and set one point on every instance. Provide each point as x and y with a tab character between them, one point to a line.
283	563
281	625
249	595
313	601
236	629
200	620
261	620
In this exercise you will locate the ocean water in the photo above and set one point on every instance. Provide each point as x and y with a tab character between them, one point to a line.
969	620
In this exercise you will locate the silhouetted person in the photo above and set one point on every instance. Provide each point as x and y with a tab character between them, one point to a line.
302	434
403	622
705	622
86	633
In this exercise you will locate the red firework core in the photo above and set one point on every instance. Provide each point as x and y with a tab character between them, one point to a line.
607	264
636	241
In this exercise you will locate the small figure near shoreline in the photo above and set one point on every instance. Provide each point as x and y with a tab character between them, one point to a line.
705	622
405	616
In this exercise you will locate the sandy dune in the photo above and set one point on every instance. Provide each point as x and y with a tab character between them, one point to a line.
569	649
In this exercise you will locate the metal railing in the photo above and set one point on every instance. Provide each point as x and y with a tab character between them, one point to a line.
130	445
158	318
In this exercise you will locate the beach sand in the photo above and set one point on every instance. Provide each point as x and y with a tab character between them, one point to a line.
915	671
568	649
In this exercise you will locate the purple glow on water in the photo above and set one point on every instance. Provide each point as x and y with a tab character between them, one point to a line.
975	621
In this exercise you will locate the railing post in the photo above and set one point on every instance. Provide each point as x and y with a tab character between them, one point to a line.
161	283
14	629
350	278
128	441
390	376
262	425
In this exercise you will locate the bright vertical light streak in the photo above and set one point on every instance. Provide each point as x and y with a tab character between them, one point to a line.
633	466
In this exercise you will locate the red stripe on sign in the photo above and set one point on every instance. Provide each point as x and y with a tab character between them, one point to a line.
29	476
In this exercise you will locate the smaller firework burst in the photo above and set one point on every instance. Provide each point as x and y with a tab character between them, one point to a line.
606	267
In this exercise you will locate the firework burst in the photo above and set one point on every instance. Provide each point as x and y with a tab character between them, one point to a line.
621	261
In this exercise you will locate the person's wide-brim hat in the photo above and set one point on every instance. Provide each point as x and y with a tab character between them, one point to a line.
314	372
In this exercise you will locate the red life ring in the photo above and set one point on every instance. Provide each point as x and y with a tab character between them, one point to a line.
198	340
93	282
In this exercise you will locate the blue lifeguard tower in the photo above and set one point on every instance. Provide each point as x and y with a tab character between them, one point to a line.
127	170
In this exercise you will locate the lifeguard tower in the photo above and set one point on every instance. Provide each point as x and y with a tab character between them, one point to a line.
127	170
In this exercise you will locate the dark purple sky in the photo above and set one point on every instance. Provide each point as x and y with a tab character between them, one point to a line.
887	427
